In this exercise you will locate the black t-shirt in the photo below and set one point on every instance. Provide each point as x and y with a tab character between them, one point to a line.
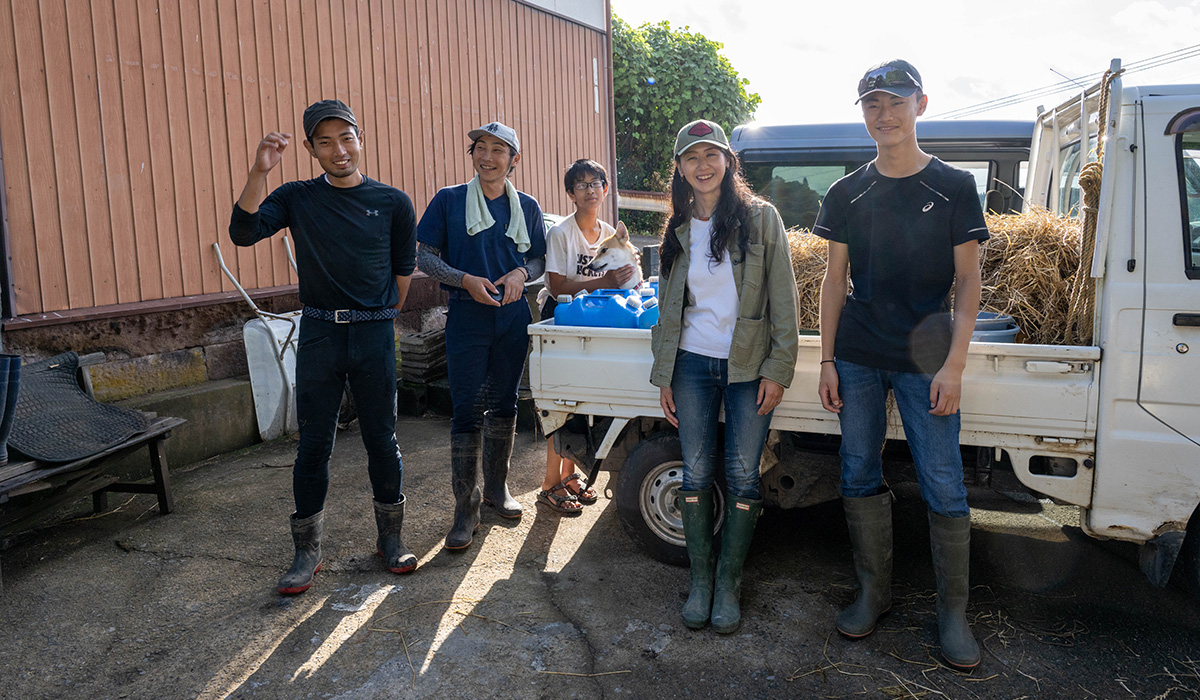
901	234
351	242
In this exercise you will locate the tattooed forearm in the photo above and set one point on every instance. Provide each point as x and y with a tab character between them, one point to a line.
429	260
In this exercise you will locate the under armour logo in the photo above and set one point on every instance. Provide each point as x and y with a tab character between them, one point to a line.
493	127
375	212
927	207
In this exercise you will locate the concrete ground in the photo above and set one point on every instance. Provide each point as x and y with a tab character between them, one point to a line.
131	604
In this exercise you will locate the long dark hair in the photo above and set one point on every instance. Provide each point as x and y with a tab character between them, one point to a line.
730	220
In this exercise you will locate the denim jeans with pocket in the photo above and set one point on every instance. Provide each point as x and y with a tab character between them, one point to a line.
700	386
932	439
328	355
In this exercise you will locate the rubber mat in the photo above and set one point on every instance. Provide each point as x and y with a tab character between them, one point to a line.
56	421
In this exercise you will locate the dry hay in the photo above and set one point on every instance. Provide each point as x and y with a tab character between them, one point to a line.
1027	267
809	257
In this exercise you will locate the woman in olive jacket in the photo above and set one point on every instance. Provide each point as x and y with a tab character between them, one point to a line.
726	335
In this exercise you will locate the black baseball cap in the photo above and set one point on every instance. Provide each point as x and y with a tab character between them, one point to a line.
895	77
318	112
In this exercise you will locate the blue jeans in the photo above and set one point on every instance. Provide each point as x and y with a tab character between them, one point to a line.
330	354
700	385
486	348
932	439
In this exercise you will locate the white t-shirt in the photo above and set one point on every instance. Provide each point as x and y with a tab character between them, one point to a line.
712	308
568	251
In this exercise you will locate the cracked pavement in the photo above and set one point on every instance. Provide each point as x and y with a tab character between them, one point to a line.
131	604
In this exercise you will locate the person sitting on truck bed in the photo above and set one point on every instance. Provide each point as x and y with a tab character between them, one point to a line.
483	240
355	254
726	335
570	246
907	226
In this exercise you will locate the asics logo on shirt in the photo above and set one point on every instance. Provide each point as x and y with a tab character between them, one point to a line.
927	207
375	212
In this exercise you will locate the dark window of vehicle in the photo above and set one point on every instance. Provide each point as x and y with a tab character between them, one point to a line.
1189	188
796	190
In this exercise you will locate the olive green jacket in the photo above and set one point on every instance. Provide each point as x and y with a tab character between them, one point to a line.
765	335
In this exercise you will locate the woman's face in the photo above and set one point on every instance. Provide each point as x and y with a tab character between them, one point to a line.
703	166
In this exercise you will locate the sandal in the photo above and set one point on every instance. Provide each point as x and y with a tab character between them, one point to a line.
585	494
551	498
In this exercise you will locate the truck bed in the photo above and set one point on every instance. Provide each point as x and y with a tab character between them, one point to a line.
1028	400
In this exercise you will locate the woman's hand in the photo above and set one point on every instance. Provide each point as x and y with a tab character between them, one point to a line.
828	388
770	393
666	399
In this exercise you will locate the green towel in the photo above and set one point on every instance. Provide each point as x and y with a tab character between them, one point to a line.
480	219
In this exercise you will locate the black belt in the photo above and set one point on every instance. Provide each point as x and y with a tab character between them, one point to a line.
350	315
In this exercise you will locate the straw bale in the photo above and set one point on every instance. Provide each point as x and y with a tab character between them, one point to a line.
1028	266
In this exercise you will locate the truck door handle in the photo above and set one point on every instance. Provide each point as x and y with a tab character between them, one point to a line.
1186	320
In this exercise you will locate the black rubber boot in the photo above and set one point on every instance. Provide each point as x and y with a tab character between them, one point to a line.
306	535
870	523
950	540
497	451
697	510
464	456
741	514
389	520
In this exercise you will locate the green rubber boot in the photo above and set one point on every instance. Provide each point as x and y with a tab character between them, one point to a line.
306	535
870	523
464	456
697	510
497	451
741	514
950	540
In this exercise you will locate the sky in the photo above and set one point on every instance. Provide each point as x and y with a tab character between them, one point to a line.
804	58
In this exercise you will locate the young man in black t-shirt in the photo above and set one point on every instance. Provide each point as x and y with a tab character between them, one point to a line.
355	255
906	227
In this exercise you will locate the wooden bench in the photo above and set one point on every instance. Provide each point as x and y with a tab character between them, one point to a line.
65	482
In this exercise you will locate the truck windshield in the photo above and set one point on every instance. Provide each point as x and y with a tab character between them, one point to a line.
798	190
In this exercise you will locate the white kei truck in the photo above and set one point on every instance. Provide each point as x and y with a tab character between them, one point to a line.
1112	427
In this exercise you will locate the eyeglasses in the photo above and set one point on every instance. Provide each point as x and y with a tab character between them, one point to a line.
887	77
592	185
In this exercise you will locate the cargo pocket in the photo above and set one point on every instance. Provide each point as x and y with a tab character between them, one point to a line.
750	343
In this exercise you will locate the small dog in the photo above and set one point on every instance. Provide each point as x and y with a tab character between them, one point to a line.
615	252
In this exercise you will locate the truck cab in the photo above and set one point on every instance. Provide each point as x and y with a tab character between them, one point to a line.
794	165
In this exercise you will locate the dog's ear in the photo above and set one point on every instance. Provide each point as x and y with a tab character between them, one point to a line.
622	232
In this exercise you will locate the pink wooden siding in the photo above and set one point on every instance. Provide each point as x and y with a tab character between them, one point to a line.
127	126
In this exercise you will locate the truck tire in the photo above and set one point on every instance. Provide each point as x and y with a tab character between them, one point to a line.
647	498
1187	565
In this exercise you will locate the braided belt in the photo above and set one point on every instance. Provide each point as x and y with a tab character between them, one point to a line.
350	315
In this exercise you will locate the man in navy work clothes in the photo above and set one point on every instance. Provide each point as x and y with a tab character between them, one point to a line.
907	227
356	252
483	241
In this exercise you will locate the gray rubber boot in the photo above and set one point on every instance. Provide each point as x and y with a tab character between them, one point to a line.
950	540
741	514
306	535
464	456
389	520
870	523
497	451
697	510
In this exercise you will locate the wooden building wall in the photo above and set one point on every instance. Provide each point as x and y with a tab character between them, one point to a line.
127	126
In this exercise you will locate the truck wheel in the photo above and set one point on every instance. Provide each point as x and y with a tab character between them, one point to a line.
647	498
1187	566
